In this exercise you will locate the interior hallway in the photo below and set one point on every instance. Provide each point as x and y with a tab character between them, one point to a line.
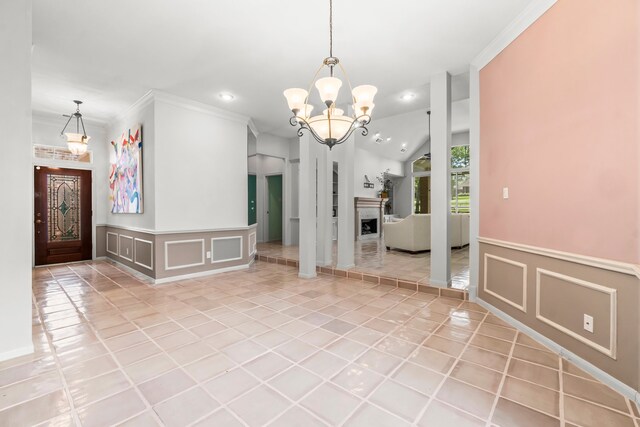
262	347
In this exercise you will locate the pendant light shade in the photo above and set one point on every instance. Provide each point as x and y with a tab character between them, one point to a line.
77	142
296	98
328	87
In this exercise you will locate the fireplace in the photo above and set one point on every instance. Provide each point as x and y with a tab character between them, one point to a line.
368	226
368	218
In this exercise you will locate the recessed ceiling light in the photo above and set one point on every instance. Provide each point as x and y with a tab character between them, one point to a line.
388	139
377	134
226	96
407	96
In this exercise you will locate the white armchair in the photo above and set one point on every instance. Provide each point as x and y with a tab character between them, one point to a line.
411	234
414	232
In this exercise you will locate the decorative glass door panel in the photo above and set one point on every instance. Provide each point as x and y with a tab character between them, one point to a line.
62	215
63	212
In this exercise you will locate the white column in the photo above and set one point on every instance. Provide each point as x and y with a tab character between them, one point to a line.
440	179
345	154
16	227
325	188
307	209
474	170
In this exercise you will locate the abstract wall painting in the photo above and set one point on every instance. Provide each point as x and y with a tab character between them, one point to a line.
125	175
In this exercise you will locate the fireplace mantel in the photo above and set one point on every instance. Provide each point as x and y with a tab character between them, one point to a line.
370	202
368	208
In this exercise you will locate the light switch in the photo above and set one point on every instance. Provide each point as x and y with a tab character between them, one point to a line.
505	192
208	254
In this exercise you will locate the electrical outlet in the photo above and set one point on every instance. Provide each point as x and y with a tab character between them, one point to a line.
127	251
505	192
208	254
588	323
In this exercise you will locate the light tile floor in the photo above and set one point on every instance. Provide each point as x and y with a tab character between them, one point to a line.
263	347
372	257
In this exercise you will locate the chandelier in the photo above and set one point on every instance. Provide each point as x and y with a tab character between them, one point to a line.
76	142
332	127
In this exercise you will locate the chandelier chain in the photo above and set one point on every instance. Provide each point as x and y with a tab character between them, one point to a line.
331	28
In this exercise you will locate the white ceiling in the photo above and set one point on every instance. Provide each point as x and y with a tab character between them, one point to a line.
110	53
411	128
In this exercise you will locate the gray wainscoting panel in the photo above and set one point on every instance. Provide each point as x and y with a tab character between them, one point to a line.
226	249
506	280
183	254
112	243
143	252
125	245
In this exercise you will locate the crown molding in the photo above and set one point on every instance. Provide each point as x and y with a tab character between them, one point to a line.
142	102
252	126
527	17
199	107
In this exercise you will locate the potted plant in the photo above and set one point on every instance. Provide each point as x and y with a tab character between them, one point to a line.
385	183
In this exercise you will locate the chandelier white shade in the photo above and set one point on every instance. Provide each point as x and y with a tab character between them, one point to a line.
332	127
77	142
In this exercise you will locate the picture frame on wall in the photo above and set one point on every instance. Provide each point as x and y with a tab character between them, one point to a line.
125	174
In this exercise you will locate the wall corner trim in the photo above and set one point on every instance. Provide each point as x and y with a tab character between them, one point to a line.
535	10
581	363
605	264
252	126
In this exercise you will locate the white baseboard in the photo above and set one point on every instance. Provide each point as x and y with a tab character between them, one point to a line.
588	367
12	354
345	267
201	274
307	276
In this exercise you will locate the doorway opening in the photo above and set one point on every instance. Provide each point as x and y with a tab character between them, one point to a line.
62	215
274	208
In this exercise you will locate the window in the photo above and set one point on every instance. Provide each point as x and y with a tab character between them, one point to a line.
423	164
460	157
422	194
459	182
460	192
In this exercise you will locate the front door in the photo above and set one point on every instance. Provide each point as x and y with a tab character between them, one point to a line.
274	189
62	215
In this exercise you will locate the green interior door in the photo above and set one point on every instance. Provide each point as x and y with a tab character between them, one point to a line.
274	188
252	200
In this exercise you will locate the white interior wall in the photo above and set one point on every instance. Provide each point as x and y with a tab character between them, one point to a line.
201	168
17	224
372	165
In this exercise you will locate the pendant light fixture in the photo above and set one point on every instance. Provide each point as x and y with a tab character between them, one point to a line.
76	142
332	127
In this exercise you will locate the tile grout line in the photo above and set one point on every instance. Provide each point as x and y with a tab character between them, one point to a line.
502	380
65	385
112	355
452	367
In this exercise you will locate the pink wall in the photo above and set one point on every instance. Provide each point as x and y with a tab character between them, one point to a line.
559	114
